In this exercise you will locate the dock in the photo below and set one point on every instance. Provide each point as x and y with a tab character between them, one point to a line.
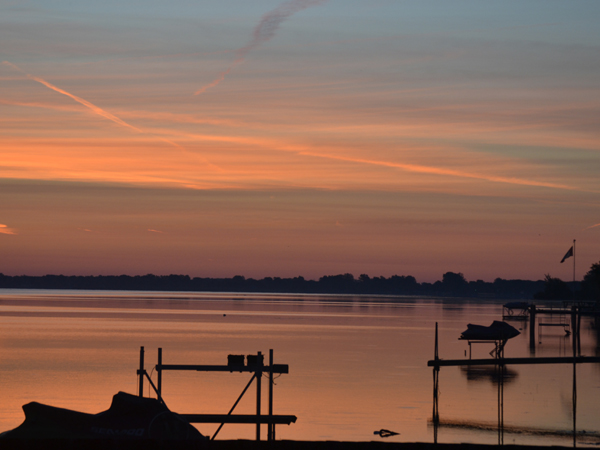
500	363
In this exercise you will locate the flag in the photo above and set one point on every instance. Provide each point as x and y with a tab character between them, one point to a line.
567	255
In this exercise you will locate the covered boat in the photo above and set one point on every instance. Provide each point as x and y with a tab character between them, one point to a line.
497	331
128	418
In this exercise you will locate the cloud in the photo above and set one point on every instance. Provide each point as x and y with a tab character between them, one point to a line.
441	171
592	226
155	231
5	230
95	109
91	106
263	32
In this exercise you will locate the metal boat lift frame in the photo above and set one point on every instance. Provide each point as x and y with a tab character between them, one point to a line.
257	368
501	363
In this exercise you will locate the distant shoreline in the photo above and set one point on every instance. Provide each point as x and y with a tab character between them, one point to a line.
452	285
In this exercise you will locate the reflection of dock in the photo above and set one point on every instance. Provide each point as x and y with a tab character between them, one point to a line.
515	429
489	373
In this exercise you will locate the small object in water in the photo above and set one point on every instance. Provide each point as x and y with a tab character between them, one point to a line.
385	433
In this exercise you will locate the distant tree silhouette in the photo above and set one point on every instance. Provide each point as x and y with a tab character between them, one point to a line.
454	283
554	289
338	283
590	287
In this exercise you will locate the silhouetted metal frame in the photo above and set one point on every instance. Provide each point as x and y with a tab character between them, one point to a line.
501	363
256	369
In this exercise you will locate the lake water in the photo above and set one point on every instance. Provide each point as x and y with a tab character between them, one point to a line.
356	363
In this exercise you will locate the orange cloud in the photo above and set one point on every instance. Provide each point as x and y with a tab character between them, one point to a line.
5	230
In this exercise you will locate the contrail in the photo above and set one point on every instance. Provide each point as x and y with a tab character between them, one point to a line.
263	32
94	108
440	171
592	226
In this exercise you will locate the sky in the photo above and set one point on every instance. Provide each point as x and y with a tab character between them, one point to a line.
299	138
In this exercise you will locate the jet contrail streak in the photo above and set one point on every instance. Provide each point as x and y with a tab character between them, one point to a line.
592	226
94	108
439	171
263	32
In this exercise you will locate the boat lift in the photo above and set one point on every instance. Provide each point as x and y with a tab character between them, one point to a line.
235	363
500	362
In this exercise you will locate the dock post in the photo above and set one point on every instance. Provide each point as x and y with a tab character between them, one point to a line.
436	375
271	425
500	372
578	331
259	365
574	399
532	327
141	372
574	327
159	374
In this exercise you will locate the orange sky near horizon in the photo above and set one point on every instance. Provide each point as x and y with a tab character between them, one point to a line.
326	137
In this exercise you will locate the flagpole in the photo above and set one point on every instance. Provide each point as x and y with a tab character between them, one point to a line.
574	264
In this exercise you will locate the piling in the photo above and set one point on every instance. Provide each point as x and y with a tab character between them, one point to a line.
141	372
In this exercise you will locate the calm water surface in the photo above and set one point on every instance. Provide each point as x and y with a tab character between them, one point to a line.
357	363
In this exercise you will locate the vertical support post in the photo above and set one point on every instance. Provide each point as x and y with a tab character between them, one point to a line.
259	366
141	372
574	257
436	375
532	327
271	425
578	331
159	374
575	333
574	403
500	368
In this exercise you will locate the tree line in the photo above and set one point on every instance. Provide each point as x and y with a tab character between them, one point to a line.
451	285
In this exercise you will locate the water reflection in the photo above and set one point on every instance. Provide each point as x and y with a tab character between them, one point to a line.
490	374
583	436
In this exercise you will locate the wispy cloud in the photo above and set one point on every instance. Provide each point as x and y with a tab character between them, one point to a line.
5	230
155	231
91	106
263	32
95	109
442	171
592	226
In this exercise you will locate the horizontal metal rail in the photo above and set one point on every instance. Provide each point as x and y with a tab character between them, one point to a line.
238	418
277	368
512	361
